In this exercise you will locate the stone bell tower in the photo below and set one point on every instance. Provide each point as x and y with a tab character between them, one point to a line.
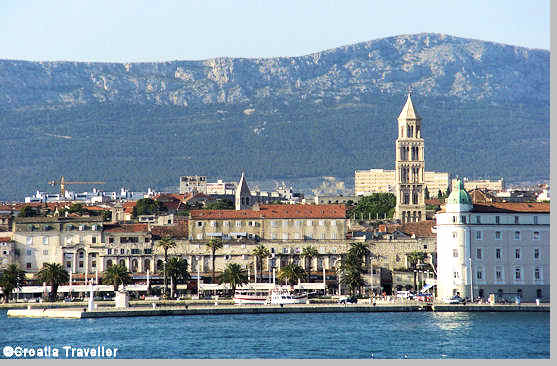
409	166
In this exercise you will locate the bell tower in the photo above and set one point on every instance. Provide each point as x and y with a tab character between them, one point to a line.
409	166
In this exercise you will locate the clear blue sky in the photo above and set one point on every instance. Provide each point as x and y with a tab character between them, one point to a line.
150	30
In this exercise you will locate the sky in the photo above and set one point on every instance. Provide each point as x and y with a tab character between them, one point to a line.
166	30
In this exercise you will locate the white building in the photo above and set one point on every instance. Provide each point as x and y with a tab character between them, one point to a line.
499	248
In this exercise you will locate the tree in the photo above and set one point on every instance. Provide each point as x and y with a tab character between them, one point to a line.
166	243
309	253
220	204
359	250
214	245
10	279
415	258
55	275
260	252
116	275
291	273
27	211
177	270
147	206
377	205
234	275
351	272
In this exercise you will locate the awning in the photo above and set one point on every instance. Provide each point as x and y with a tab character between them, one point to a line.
427	287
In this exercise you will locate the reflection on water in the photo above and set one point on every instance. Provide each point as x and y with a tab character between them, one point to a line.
451	321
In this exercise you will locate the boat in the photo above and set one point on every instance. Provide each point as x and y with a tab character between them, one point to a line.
281	296
242	297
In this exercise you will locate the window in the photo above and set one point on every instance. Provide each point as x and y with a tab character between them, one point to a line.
498	253
455	234
45	240
93	264
147	251
110	240
516	219
135	251
199	223
81	254
94	239
45	252
535	220
333	235
425	246
463	219
517	275
536	235
68	264
244	247
454	218
478	220
238	223
497	235
537	274
122	251
29	240
80	264
28	265
517	235
498	275
479	235
536	253
109	251
497	220
479	275
455	274
479	253
284	250
226	246
517	253
147	240
213	223
455	253
28	252
225	223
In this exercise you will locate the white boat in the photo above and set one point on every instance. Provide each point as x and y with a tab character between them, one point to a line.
281	296
251	297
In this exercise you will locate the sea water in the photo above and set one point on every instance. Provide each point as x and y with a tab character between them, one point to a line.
429	335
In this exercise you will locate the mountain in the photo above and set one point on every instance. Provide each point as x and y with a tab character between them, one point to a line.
485	110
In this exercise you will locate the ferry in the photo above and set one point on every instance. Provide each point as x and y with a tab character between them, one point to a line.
280	296
276	296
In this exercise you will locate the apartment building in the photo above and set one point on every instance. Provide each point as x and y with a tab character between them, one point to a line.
496	248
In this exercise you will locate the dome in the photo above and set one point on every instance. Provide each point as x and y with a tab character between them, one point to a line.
458	200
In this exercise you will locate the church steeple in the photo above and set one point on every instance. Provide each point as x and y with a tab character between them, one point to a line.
242	194
410	166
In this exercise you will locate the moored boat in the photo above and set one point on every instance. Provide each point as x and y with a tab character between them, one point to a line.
250	297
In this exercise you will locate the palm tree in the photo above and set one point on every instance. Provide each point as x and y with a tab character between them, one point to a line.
234	275
308	253
53	274
351	272
116	275
260	252
214	244
177	270
359	250
10	279
291	273
166	243
414	258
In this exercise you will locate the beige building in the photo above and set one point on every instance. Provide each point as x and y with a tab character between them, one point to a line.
371	181
491	185
7	252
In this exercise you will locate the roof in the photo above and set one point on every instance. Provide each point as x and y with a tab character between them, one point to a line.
5	239
276	212
177	231
126	228
408	111
459	196
513	207
421	229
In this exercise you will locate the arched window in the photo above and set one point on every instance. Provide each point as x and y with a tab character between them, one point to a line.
134	265
147	265
109	263
122	262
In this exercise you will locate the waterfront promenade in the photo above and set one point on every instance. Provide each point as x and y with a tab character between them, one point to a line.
226	307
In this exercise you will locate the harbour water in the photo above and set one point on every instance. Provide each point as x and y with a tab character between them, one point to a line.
424	335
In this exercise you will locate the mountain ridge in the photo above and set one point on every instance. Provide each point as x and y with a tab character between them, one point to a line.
224	114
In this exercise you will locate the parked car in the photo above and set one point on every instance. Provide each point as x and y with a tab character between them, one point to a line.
347	299
455	300
424	297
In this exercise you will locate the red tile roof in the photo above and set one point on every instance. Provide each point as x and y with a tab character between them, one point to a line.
125	228
5	239
276	212
510	207
177	231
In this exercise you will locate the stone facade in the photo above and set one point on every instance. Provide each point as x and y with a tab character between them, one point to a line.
7	252
371	181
